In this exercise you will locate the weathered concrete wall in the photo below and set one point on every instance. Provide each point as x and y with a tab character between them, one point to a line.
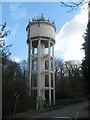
42	30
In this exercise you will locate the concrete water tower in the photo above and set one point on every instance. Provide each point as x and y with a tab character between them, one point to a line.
41	40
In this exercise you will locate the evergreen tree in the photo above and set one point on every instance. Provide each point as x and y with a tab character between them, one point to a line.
86	62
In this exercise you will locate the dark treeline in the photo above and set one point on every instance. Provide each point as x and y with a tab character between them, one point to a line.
14	85
86	60
69	81
15	97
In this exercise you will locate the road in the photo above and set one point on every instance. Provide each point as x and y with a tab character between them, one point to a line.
73	111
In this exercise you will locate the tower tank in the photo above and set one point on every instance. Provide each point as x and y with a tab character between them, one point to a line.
41	40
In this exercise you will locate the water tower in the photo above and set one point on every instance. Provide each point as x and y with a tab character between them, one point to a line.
41	40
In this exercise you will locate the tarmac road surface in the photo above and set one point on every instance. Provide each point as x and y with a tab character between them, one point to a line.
75	111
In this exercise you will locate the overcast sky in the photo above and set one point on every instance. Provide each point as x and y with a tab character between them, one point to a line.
70	27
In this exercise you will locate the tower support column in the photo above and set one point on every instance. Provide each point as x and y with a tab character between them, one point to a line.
39	69
39	73
29	66
53	76
49	52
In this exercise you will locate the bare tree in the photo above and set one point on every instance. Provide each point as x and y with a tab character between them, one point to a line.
73	5
3	33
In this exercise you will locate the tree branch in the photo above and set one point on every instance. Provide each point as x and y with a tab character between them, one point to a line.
73	5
